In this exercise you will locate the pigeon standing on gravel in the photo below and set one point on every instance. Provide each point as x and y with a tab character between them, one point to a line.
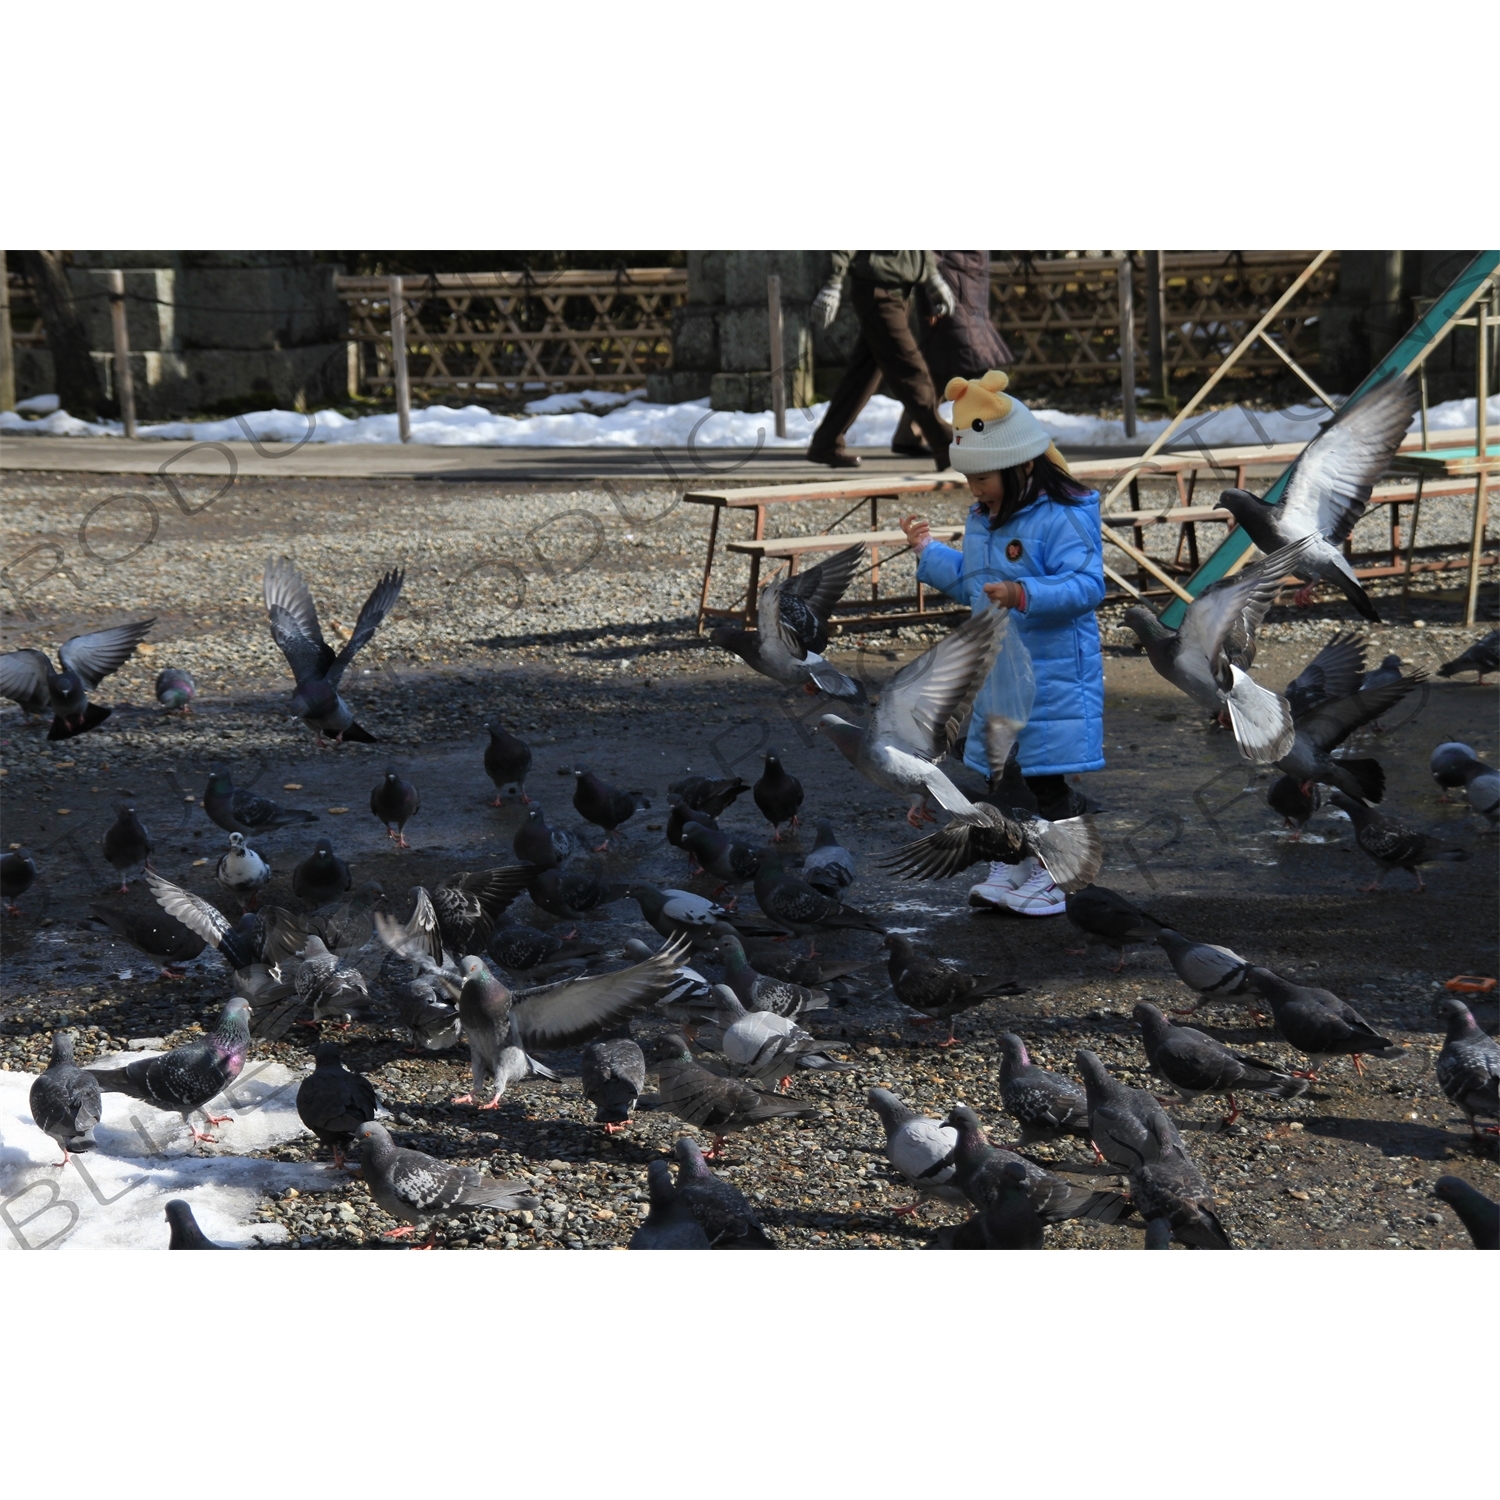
1172	1189
720	1105
1483	656
333	1102
605	806
395	802
186	1235
241	871
183	1080
727	860
614	1075
27	677
1044	1103
507	760
1478	1214
537	844
1295	800
316	670
762	991
778	794
322	876
761	1045
17	872
920	716
829	867
420	1189
517	947
239	810
1105	916
937	990
1194	1063
702	794
670	1224
1316	1021
798	908
1126	1125
127	843
334	989
721	1209
1392	844
1468	1067
175	690
1206	967
65	1100
919	1148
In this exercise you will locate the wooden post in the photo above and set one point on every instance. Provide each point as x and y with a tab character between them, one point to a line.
1156	327
778	354
1481	444
398	360
1127	344
7	349
124	385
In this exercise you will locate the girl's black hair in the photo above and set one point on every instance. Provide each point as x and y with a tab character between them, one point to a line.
1018	489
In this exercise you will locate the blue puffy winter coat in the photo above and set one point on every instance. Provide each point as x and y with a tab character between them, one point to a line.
1056	551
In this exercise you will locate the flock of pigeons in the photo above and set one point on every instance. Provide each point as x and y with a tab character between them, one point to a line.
736	1040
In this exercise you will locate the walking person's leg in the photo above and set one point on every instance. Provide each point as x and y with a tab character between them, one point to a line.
861	381
885	327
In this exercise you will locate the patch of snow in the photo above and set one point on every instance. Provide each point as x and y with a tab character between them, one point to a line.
562	402
42	406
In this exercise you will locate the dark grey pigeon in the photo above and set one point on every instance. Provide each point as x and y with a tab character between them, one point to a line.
17	871
395	802
1126	1125
1159	1235
161	937
1295	800
335	990
720	1208
614	1076
778	794
728	860
1387	672
920	1148
678	818
604	806
829	867
1044	1103
698	1097
670	1225
1105	916
935	989
431	1021
27	677
333	1102
468	905
538	845
420	1189
321	877
1011	1222
175	690
127	843
1392	844
65	1100
1483	656
1482	792
1172	1188
796	907
1194	1063
702	922
184	1080
239	810
1468	1067
507	760
1335	672
186	1234
517	947
1322	729
1317	1022
702	794
573	894
1478	1214
316	670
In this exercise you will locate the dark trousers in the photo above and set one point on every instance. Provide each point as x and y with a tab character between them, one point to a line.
886	349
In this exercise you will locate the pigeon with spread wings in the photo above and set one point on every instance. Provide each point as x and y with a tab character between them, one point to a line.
27	677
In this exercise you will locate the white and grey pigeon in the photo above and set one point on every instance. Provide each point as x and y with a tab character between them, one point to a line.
761	1045
691	997
334	989
1212	970
1482	791
919	1148
1330	487
920	716
240	870
828	867
1450	761
1200	657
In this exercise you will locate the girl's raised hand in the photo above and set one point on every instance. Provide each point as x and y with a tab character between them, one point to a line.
918	531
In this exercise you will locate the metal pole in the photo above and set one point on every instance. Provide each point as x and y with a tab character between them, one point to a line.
1123	276
398	360
124	385
778	354
7	349
1481	434
1156	327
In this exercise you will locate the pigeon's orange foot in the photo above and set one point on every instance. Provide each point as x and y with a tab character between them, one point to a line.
462	1099
616	1127
911	1208
395	1234
1304	595
493	1104
950	1041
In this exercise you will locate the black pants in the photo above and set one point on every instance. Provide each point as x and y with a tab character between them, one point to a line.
886	350
1054	799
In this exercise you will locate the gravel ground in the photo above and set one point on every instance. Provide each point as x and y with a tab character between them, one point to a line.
596	665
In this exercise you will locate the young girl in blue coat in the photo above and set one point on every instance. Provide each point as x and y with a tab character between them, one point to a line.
1031	543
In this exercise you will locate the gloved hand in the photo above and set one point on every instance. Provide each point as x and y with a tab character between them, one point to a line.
825	307
940	296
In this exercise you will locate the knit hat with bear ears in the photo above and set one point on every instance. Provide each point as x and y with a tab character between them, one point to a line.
992	430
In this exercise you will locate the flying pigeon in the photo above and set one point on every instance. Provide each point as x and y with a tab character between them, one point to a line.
333	1102
829	867
186	1235
1478	1214
1468	1067
919	1148
702	794
1172	1189
1199	658
1330	486
721	1209
161	937
1392	844
1205	967
721	1105
423	1007
322	876
468	906
778	794
17	871
538	845
604	806
175	689
1295	800
761	1045
240	870
1105	916
937	990
183	1080
614	1076
65	1100
1194	1063
1336	671
1044	1103
242	945
334	989
1127	1126
395	801
316	670
127	843
920	716
420	1189
1327	726
506	762
27	677
1316	1021
670	1224
239	810
1483	656
798	908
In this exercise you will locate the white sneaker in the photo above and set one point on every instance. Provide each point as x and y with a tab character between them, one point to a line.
1000	884
1038	896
